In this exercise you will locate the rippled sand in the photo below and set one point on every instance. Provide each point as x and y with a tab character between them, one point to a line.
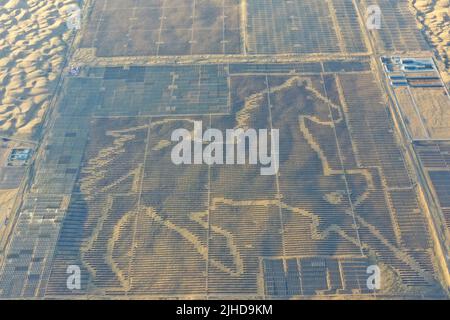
434	16
33	41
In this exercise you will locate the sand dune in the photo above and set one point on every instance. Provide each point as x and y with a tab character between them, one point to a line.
33	41
434	17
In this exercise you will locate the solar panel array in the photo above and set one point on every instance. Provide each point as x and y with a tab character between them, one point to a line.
435	159
281	26
163	90
136	224
398	30
163	27
106	197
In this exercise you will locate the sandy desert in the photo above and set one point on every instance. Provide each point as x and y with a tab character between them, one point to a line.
434	17
33	41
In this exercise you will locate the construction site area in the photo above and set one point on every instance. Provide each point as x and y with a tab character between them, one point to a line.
364	158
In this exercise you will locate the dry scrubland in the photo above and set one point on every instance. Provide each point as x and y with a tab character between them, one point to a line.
33	40
434	16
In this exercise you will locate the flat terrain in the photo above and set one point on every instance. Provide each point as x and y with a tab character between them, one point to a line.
102	193
435	159
303	27
163	27
399	31
424	103
139	225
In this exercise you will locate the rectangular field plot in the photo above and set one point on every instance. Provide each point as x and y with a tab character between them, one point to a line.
441	182
140	91
334	66
149	28
312	275
398	31
11	177
435	159
433	110
312	26
29	258
421	95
